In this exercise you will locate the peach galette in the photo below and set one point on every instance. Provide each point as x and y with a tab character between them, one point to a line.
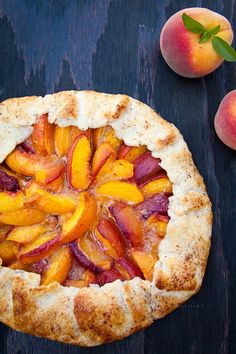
104	220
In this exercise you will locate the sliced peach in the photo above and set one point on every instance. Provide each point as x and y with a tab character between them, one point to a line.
120	190
51	203
122	271
84	215
115	170
160	185
27	146
26	234
8	251
88	277
103	152
105	135
90	256
22	217
78	164
110	231
128	222
62	140
144	166
145	262
81	283
11	201
8	181
57	185
75	132
49	175
156	204
39	248
43	136
158	224
130	153
45	169
4	231
109	276
130	267
94	252
18	265
59	267
104	244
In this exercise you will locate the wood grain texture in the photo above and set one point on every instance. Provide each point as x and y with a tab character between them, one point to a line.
113	46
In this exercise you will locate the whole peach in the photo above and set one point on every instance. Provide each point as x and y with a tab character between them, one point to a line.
181	48
225	120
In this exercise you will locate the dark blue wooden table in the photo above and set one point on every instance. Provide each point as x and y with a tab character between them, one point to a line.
113	46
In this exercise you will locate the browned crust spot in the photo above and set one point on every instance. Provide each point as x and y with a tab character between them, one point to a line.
66	104
120	107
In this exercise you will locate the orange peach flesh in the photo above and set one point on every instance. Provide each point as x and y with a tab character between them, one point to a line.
181	48
60	226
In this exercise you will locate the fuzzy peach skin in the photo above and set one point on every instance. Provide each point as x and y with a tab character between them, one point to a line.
225	120
181	48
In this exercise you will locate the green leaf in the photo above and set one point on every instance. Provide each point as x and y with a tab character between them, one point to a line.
213	31
205	37
223	49
192	25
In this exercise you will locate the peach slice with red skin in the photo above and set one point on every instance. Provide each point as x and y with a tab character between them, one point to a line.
131	268
64	137
49	175
39	248
109	276
144	166
62	140
18	265
8	251
104	244
22	217
115	170
156	204
59	266
110	231
145	262
45	169
4	231
26	234
90	256
120	190
128	222
82	218
78	163
105	134
50	203
57	185
130	153
43	136
88	277
160	185
159	224
103	152
11	201
8	182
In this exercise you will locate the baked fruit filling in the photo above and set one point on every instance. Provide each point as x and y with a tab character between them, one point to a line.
81	207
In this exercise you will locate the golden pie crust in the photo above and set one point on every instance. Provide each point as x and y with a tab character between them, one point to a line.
94	315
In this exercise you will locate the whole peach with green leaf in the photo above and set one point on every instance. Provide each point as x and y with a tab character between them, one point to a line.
225	120
195	41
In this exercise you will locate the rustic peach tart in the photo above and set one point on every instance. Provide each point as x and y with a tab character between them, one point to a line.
105	222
